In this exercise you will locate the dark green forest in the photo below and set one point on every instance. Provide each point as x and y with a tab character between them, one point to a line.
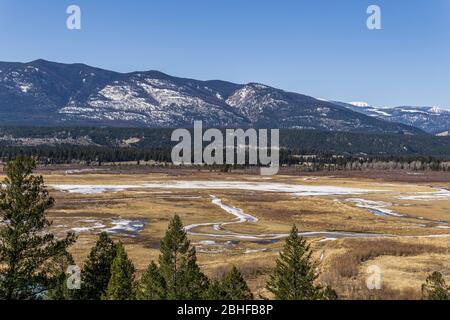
314	150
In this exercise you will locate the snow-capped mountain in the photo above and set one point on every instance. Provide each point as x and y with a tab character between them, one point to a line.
48	93
433	120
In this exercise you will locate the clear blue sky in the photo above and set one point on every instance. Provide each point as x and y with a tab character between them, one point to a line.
317	47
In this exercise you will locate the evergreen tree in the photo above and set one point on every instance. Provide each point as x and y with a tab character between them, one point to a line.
97	270
215	291
294	275
235	286
27	250
152	285
60	290
178	265
121	285
328	294
231	287
435	288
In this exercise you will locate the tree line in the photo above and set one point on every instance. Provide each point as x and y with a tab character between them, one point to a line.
34	264
291	158
306	141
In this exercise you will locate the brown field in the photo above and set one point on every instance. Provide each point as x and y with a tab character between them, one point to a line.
408	247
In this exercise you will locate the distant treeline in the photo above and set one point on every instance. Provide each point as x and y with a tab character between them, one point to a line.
324	162
310	150
61	154
96	156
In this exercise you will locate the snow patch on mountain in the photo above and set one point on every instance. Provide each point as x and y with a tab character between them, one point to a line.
78	94
360	104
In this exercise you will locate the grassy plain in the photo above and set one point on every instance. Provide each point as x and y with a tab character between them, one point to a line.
409	247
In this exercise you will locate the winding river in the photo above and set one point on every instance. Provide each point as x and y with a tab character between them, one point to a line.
218	229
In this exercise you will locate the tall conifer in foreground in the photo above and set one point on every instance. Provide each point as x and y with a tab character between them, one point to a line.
121	285
178	265
235	286
60	290
97	269
231	287
435	288
27	250
294	275
152	285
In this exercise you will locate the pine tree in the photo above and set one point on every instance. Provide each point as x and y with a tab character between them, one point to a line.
294	275
178	265
435	288
231	287
152	285
97	270
215	291
121	285
235	286
27	250
60	290
328	293
194	283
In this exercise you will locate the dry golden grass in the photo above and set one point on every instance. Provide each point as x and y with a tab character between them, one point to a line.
405	261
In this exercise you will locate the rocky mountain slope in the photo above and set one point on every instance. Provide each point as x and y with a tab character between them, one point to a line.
433	120
48	93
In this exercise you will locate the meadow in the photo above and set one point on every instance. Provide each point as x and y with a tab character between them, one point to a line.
352	222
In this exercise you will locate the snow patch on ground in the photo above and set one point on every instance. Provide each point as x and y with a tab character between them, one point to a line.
251	251
328	239
93	189
207	243
378	208
95	226
296	190
119	226
441	194
238	213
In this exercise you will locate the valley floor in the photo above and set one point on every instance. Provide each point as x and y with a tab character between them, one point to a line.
354	221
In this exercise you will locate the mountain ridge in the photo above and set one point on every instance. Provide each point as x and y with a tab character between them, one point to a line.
433	120
42	92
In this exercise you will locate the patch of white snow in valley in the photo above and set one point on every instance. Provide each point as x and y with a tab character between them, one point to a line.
238	213
251	251
116	226
296	190
92	189
95	226
440	194
378	208
125	226
328	239
208	243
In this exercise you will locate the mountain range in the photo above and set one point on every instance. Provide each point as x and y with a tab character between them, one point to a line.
44	93
433	120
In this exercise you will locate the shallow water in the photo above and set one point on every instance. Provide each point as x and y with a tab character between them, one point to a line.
296	190
242	217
